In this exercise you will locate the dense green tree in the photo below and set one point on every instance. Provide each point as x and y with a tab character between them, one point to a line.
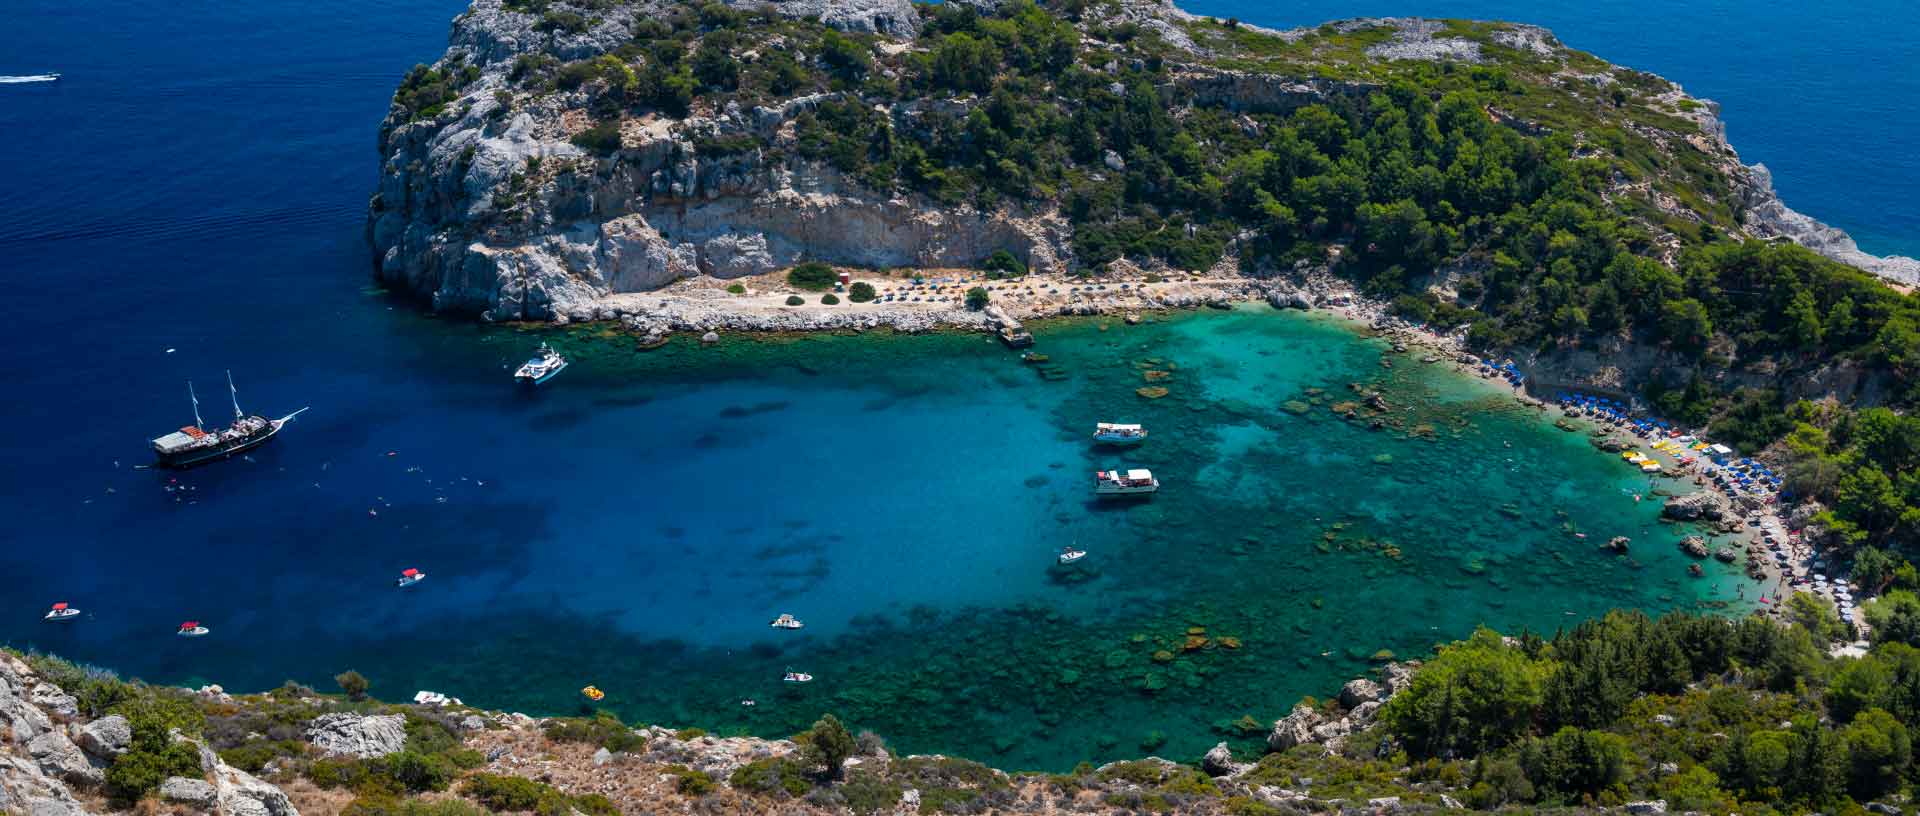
1475	695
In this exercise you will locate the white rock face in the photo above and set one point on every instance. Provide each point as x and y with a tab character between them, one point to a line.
105	738
356	736
189	791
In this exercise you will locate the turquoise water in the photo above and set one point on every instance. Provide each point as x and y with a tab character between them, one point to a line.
636	524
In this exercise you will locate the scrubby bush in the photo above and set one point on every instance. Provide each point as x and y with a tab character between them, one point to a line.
796	300
812	276
689	781
1002	264
860	292
352	684
772	775
977	298
830	299
603	138
499	793
736	289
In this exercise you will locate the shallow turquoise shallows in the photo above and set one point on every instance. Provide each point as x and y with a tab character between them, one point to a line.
636	523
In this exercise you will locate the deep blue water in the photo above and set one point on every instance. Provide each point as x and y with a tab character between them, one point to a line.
188	199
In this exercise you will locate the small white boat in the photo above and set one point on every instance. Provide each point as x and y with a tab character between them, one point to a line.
1134	482
798	677
786	621
545	365
61	613
192	629
1109	433
409	578
1072	554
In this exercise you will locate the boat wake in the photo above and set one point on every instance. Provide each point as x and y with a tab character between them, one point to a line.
16	80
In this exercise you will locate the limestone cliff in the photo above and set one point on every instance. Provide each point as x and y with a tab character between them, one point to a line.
511	188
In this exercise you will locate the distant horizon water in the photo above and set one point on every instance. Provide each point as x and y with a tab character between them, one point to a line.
189	198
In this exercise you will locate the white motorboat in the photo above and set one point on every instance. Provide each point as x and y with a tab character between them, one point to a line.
1072	554
1134	482
786	621
545	365
798	677
1109	433
61	613
409	578
192	629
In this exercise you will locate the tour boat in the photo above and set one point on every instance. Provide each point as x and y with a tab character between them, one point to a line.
192	629
546	363
194	444
786	621
1134	482
593	694
1110	433
1071	554
798	677
409	578
62	613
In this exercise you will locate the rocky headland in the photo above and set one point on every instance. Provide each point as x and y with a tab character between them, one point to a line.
492	203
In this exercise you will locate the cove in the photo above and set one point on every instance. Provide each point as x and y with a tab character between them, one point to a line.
636	523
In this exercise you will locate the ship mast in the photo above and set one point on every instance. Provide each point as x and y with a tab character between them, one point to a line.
196	405
237	413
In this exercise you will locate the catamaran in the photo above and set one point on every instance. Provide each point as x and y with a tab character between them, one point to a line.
1138	481
194	444
786	621
1110	433
545	365
192	629
409	578
61	613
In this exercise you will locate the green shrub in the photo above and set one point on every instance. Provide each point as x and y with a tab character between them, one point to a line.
352	684
603	138
830	299
737	289
254	755
977	298
419	773
772	775
812	276
561	21
870	793
796	300
689	781
861	292
498	793
1002	264
140	770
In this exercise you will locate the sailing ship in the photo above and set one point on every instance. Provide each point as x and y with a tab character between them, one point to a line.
545	365
194	444
1138	481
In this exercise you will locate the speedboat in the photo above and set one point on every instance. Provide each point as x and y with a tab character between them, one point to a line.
1109	433
786	621
798	677
409	578
1071	554
192	629
61	613
1133	482
545	365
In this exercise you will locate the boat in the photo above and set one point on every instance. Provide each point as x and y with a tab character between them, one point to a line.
594	694
1071	554
195	445
797	677
1112	433
192	629
545	365
786	621
409	578
16	80
1138	481
61	613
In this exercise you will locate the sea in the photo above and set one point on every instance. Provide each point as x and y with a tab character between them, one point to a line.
187	201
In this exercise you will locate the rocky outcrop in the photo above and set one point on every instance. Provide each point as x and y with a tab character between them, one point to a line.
1219	762
1769	217
38	761
238	793
1695	506
894	18
361	737
1360	701
104	738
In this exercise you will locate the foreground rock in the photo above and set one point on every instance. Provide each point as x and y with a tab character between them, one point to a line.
357	736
